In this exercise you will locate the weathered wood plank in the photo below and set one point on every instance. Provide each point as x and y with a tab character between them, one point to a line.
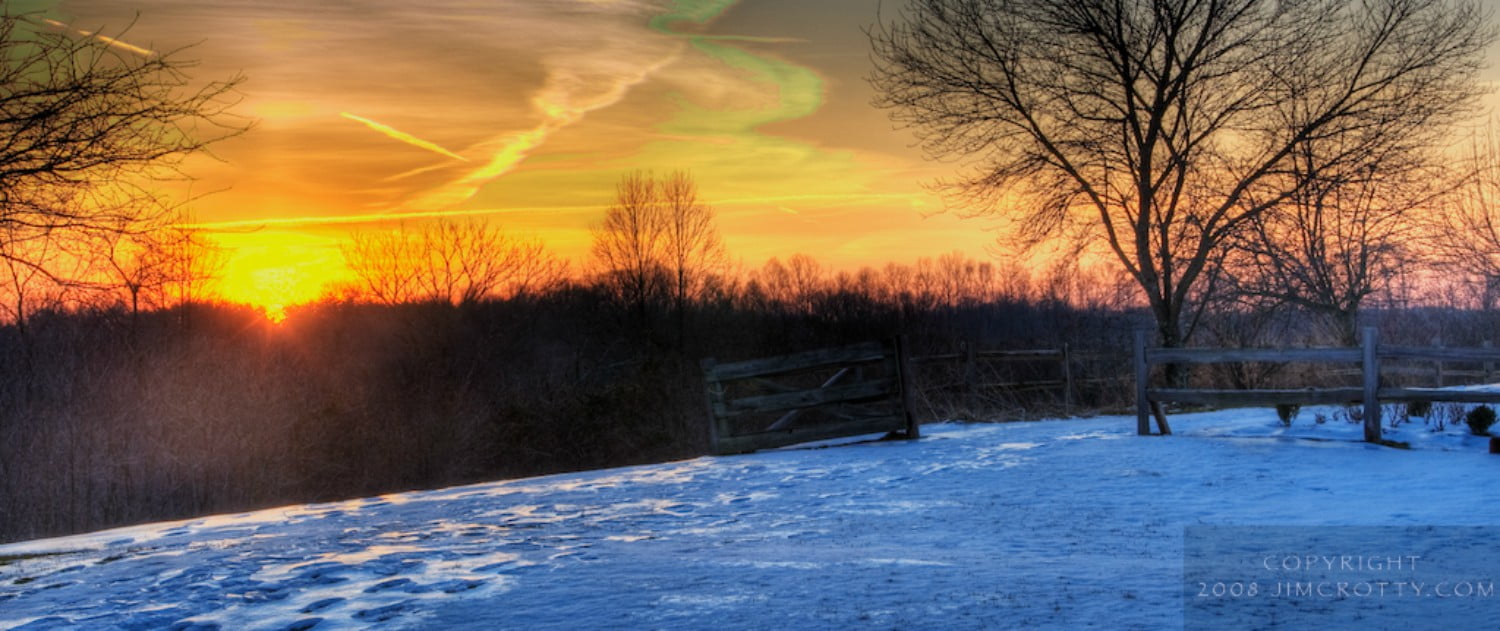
1325	396
714	399
1435	395
1270	355
858	353
791	417
1477	355
1045	354
1021	355
1247	398
851	393
744	443
937	359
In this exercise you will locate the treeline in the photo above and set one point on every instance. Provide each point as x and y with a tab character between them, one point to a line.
113	418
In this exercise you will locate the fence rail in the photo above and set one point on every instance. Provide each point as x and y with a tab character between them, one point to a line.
1368	356
970	385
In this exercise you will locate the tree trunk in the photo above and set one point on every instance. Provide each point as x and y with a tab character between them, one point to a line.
1169	327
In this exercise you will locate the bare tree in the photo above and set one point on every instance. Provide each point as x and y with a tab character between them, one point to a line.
192	263
693	249
1466	238
457	263
658	241
385	264
1341	237
1161	129
137	265
793	286
29	262
629	245
90	127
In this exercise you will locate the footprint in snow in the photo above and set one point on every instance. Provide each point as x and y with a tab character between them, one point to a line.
383	614
193	625
382	586
321	605
302	625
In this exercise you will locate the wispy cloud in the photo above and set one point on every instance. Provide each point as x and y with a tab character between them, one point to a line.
403	136
582	76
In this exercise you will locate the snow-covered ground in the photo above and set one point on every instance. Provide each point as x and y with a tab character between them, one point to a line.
1063	524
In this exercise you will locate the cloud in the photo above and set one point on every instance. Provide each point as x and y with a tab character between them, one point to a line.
582	76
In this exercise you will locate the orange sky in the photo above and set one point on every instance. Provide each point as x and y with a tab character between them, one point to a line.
526	113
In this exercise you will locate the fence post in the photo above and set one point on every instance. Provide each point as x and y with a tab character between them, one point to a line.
1067	367
971	387
1371	386
1437	365
1142	377
1489	367
714	397
908	390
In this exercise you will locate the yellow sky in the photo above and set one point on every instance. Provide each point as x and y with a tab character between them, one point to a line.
526	113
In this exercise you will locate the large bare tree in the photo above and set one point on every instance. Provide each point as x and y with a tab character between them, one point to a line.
1161	128
91	127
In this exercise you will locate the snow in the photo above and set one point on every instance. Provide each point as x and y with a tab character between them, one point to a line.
1060	524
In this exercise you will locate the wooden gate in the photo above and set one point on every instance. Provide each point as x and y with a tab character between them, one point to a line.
814	395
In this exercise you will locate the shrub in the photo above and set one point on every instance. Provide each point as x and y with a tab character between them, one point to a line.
1418	409
1286	412
1395	414
1480	419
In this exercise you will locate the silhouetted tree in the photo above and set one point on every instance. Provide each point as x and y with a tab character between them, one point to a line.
693	251
1466	237
1163	128
1341	237
90	127
446	261
658	241
629	245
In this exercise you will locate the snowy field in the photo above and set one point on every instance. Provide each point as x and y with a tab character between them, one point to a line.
1060	524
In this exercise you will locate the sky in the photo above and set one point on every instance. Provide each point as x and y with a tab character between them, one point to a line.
371	113
524	113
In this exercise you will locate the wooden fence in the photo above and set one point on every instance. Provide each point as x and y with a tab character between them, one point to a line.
970	383
778	401
1368	356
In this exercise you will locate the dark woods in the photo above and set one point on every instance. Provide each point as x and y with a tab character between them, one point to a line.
111	418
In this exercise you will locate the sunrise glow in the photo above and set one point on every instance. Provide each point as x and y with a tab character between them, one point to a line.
369	115
504	118
275	270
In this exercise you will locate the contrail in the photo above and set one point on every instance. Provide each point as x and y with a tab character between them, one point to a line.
252	224
144	52
402	136
475	212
